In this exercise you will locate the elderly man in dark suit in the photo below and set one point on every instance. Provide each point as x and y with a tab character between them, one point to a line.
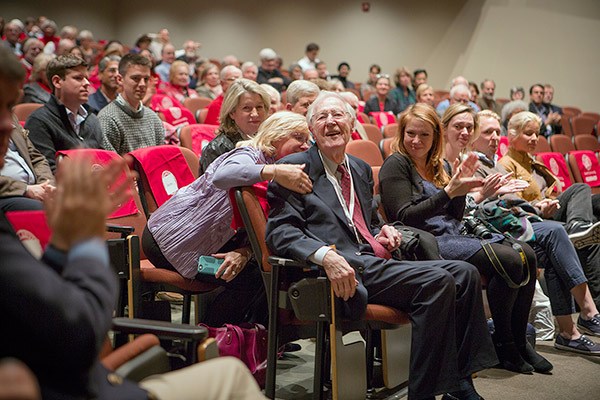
450	339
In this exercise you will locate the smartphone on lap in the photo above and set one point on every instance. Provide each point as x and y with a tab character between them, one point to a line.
209	265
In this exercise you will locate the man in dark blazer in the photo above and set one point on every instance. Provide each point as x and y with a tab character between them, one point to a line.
550	114
449	337
26	179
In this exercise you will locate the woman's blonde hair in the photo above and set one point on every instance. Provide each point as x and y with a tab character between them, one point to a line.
173	70
278	126
519	121
434	163
231	100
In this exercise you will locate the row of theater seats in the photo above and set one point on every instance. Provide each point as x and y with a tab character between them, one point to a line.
163	169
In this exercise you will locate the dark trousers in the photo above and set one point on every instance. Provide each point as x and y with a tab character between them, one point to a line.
509	307
20	203
576	204
243	299
449	334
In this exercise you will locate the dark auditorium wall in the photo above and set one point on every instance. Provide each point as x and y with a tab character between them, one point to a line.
515	42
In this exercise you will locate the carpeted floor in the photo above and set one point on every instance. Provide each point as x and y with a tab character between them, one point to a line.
574	377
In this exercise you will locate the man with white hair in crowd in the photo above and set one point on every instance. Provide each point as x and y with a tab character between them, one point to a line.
249	71
300	95
228	75
359	130
159	41
311	75
31	48
457	97
268	72
12	31
85	40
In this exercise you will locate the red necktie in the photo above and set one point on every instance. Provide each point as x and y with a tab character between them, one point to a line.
357	217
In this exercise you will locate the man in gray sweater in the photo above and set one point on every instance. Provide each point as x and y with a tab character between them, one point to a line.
126	123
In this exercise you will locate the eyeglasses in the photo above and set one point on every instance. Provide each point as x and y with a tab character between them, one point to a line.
335	114
386	76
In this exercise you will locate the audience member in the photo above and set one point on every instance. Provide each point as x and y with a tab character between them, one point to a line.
321	68
563	272
300	95
487	101
295	72
275	98
549	113
517	93
245	107
228	75
474	92
142	43
64	47
382	100
343	72
443	298
108	69
267	73
576	206
335	85
202	209
74	288
249	71
548	93
420	189
49	29
85	39
26	180
403	94
230	60
126	123
368	88
425	94
177	86
167	56
460	95
511	108
210	85
65	121
12	31
190	54
311	75
359	131
31	48
420	77
161	39
310	60
38	90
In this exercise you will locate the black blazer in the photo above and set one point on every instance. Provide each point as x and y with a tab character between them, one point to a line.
298	225
56	313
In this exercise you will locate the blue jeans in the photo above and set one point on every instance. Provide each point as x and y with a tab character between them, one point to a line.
559	259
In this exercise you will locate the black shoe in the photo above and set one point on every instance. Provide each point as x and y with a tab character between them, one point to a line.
467	392
539	363
511	360
291	347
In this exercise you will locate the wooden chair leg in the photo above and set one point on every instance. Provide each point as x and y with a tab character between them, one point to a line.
395	345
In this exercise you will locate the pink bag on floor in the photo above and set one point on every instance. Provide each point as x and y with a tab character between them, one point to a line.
248	342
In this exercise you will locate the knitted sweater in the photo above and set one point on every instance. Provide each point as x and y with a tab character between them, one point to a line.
125	129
